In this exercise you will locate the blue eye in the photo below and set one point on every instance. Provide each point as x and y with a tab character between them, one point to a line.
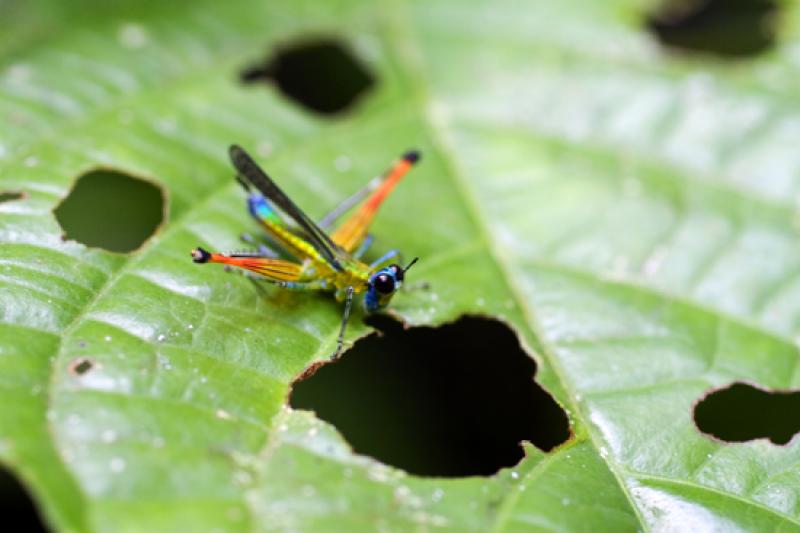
384	284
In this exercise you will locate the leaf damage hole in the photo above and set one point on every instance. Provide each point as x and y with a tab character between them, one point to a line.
80	366
16	505
10	196
320	75
111	210
726	28
452	401
742	412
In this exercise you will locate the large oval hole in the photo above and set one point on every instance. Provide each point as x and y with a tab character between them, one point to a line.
111	210
456	400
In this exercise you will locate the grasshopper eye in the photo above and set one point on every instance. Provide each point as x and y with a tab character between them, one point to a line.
384	284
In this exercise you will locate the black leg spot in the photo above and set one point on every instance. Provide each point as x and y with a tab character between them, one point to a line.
111	210
322	76
18	510
742	412
728	28
456	400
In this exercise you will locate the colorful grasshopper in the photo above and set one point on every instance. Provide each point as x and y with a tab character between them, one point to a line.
324	262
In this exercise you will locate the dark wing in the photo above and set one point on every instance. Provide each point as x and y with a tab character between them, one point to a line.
249	170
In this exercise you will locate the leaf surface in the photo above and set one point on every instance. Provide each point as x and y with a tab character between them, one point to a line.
631	213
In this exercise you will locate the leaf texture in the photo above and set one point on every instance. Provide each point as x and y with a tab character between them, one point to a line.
630	212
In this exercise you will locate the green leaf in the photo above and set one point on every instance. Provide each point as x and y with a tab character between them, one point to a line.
630	212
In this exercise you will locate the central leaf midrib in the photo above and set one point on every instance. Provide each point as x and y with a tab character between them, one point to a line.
439	134
399	37
531	321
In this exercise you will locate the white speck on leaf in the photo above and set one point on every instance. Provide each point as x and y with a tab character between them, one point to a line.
632	187
133	35
342	163
243	478
264	148
117	464
235	514
125	117
19	73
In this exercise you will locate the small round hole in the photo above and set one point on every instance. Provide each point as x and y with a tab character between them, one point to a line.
80	366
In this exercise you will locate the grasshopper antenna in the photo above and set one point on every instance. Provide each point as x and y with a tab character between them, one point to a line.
405	269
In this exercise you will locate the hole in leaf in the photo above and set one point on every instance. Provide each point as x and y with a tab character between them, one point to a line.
320	75
728	28
10	196
456	400
742	412
80	366
16	505
111	210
